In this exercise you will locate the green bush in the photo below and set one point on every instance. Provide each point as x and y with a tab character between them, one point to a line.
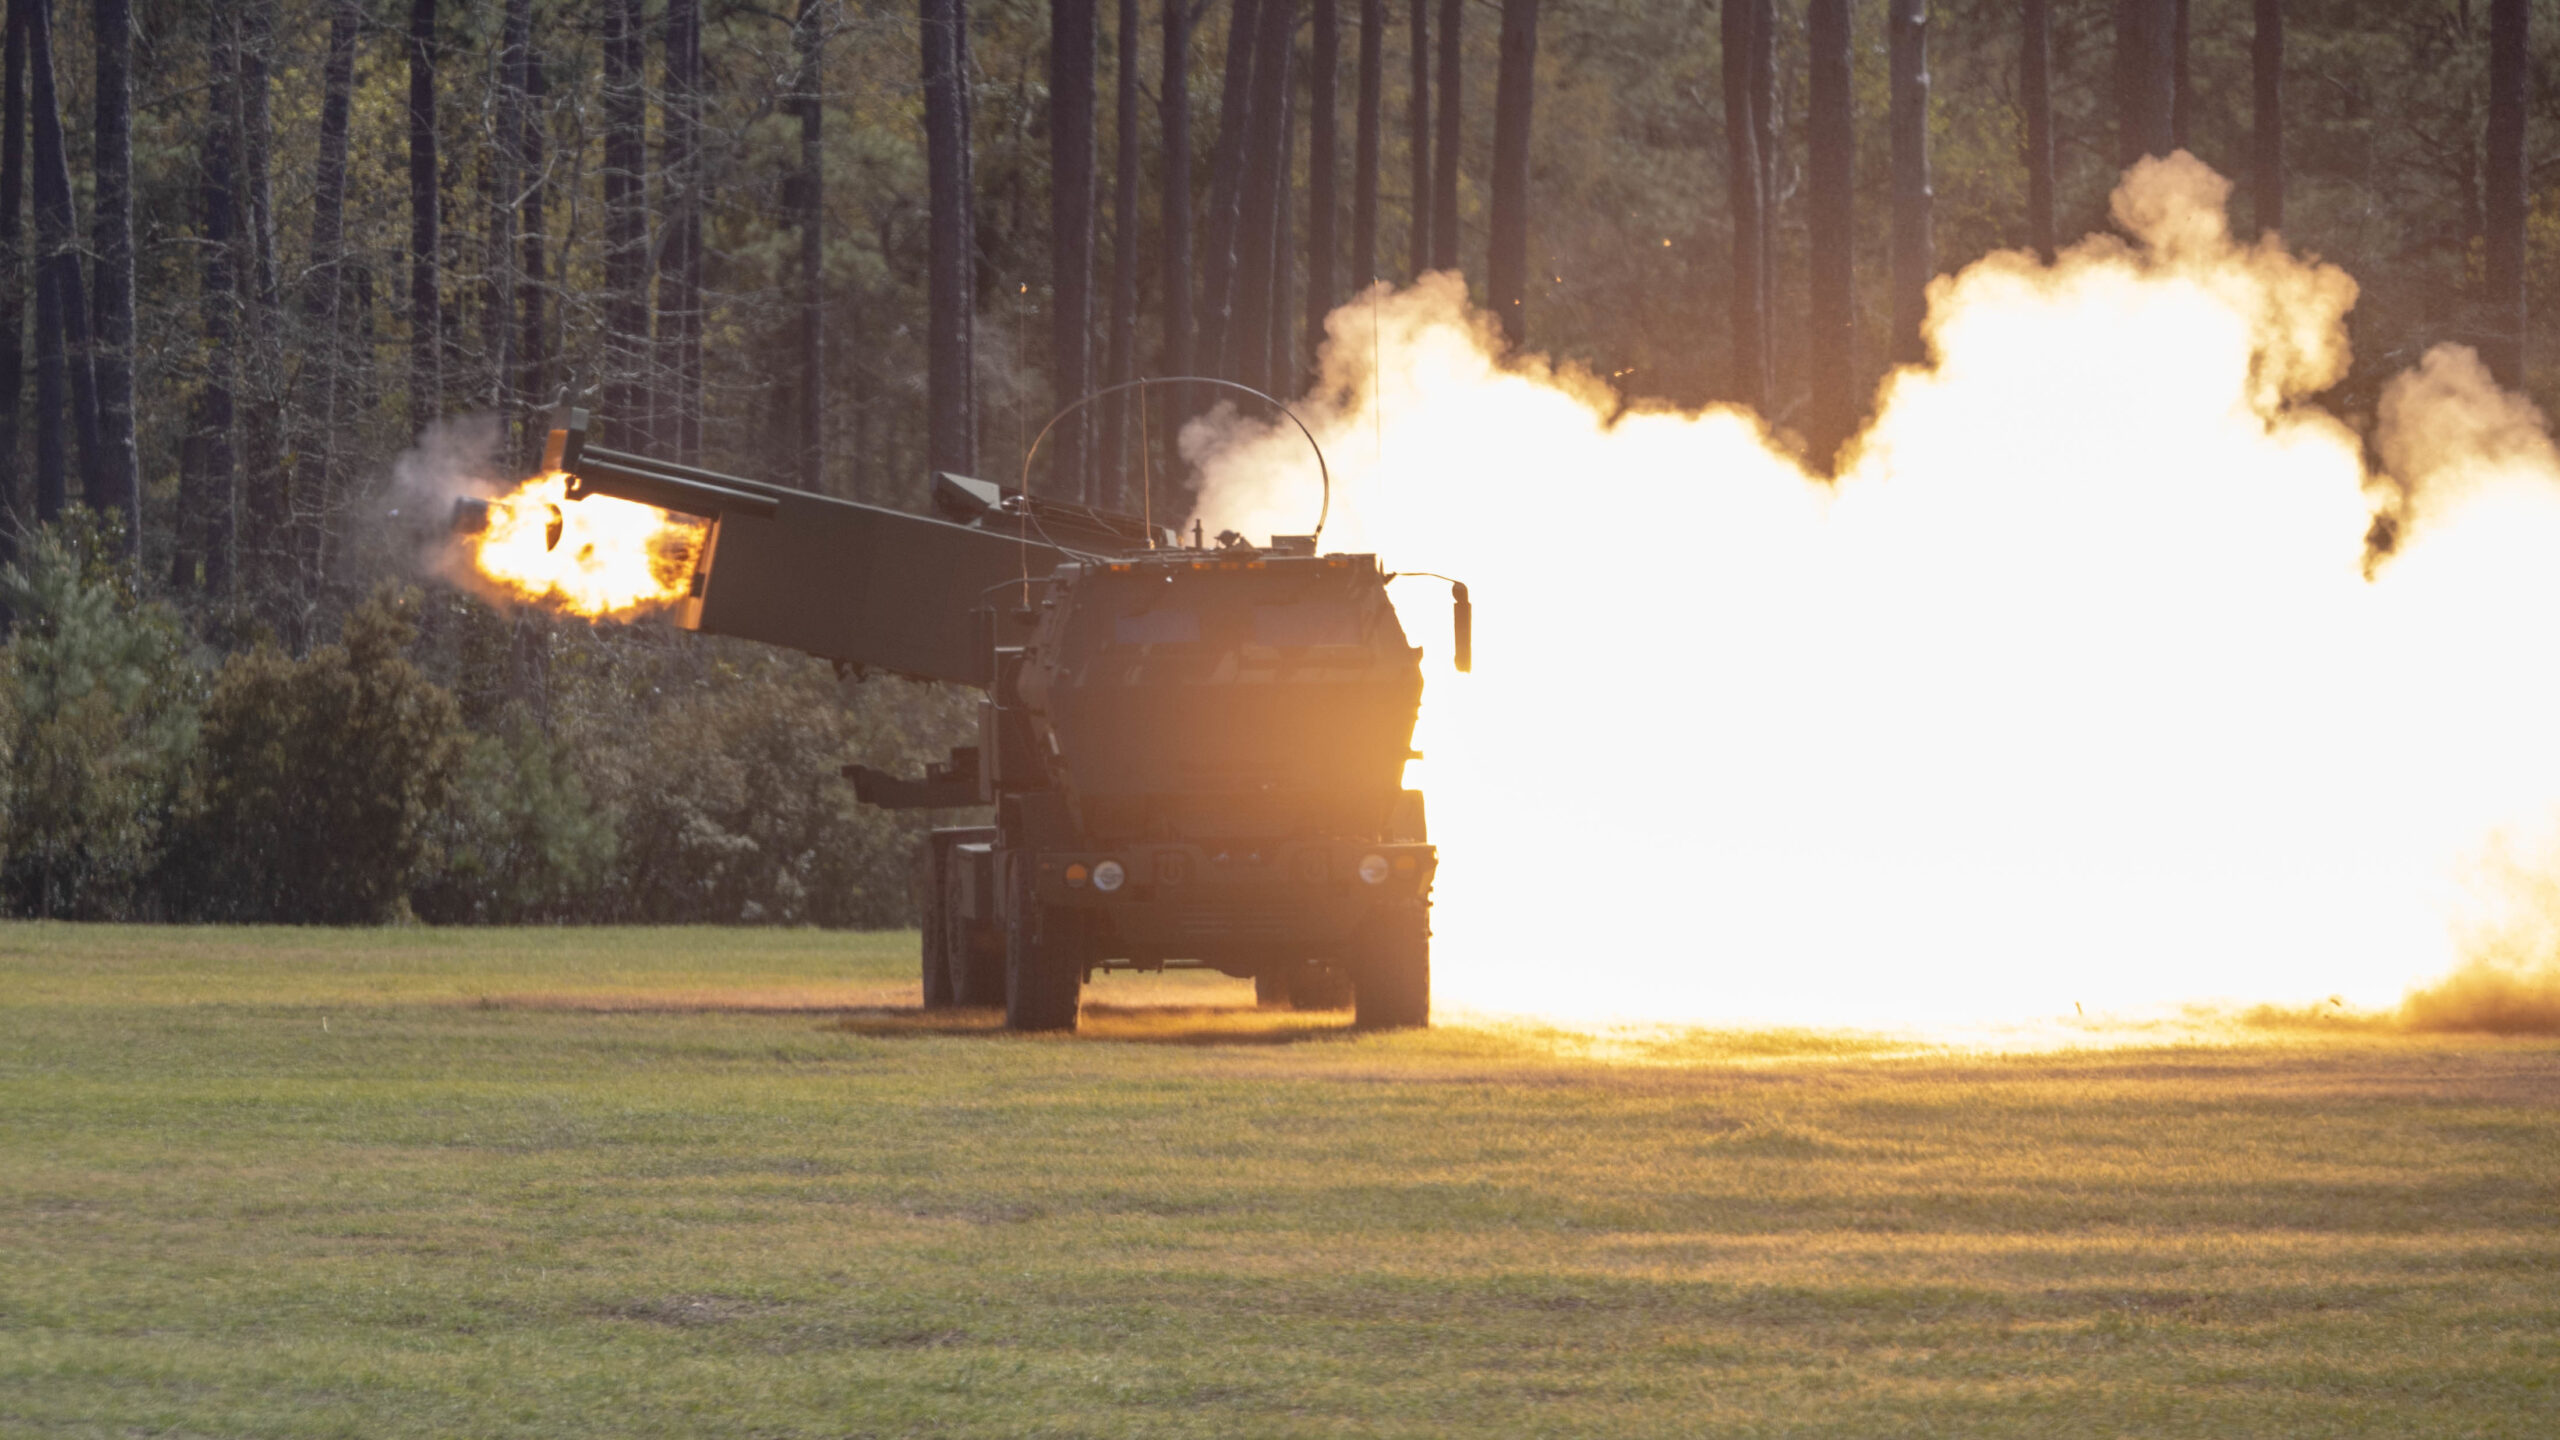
521	841
323	782
733	810
509	767
100	717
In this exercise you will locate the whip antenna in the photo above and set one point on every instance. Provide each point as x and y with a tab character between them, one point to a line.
1324	472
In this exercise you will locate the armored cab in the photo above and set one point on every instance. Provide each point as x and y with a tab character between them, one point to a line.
1206	762
1194	756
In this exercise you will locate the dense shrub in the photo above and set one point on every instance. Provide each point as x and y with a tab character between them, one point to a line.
322	781
521	841
734	810
100	700
445	759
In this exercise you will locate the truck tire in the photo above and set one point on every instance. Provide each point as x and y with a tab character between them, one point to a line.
1271	990
939	925
1391	969
1044	961
976	966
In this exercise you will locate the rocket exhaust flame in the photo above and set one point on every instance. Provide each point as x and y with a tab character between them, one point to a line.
598	556
2078	685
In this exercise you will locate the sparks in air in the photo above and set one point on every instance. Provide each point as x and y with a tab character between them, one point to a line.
596	557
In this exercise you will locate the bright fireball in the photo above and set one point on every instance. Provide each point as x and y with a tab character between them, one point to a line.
614	557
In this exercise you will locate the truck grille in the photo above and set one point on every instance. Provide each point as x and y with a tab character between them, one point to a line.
1257	923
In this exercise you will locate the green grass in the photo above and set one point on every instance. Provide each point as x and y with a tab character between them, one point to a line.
718	1183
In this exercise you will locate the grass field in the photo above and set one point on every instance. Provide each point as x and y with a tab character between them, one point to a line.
712	1183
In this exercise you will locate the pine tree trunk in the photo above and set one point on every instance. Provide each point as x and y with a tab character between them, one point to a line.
679	367
1417	129
625	411
1229	157
1258	213
209	478
52	383
118	489
2266	147
1447	153
1764	112
967	70
1280	367
533	344
1323	241
2181	101
809	35
323	351
1121	360
1364	144
1737	21
1507	251
266	502
2146	78
62	284
2510	92
1831	143
2035	95
13	273
861	484
1072	42
426	222
500	247
1173	111
951	417
1915	255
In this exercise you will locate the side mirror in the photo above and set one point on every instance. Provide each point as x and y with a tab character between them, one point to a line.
1463	614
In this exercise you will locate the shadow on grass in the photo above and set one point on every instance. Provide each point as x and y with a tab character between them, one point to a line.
1126	1024
891	1010
764	1000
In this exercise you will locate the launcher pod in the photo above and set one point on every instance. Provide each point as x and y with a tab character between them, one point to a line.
1194	756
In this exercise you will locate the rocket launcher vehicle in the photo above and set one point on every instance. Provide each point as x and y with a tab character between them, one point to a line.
1193	756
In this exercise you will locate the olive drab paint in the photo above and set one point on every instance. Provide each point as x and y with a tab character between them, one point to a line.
1194	756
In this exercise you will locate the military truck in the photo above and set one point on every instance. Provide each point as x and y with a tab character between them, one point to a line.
1194	753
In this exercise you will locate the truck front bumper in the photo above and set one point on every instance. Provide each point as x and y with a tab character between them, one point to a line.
1252	901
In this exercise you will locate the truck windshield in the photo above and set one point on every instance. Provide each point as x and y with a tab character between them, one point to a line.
1157	627
1313	622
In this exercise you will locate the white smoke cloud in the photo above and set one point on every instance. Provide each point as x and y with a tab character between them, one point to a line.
2072	688
406	528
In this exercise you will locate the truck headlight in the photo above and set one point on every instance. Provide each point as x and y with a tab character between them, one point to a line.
1108	876
1373	870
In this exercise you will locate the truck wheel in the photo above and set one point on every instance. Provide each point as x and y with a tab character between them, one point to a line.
1320	987
938	926
976	966
939	923
1391	969
1044	961
1271	989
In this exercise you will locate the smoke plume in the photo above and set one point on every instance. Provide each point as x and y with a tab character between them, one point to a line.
409	531
2084	682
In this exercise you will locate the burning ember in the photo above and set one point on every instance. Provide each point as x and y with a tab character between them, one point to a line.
595	557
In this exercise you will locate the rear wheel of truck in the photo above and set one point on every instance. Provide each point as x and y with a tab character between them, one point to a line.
933	897
974	953
1391	969
1271	989
1044	961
